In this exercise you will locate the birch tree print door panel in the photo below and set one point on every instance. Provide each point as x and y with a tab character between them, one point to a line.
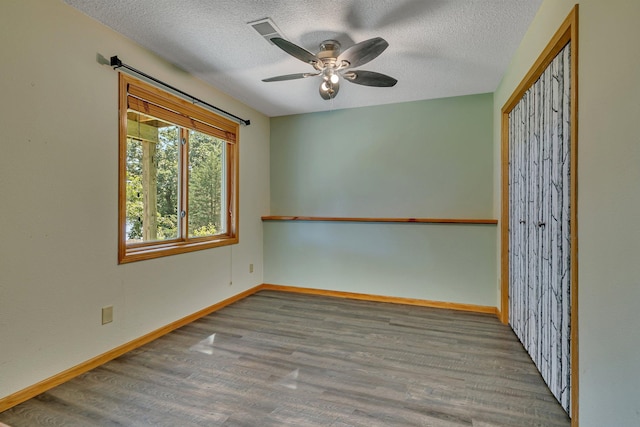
540	226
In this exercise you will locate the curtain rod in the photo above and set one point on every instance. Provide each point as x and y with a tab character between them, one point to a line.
117	63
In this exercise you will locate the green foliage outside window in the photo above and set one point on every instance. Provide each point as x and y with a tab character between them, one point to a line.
206	195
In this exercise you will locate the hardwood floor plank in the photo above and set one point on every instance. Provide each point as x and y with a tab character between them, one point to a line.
287	359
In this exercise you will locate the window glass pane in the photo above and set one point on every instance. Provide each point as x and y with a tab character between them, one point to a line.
207	195
153	149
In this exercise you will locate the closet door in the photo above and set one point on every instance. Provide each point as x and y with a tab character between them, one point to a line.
539	224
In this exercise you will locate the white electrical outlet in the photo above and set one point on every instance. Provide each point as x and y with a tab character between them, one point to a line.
250	268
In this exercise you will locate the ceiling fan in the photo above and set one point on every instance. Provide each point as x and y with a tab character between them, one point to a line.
332	64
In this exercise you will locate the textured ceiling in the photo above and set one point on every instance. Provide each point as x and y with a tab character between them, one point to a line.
437	48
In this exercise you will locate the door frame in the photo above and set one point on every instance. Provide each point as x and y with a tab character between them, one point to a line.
568	32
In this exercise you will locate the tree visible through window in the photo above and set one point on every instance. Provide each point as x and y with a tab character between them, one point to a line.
206	194
178	189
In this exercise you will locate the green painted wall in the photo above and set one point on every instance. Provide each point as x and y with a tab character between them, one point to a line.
419	159
416	159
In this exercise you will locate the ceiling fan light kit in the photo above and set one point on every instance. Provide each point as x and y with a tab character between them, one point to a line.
331	64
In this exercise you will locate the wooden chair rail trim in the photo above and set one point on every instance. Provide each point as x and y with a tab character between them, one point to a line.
55	380
372	219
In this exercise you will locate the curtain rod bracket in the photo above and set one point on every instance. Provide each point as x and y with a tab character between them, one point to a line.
116	63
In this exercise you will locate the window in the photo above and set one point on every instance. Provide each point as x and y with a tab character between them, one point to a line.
178	175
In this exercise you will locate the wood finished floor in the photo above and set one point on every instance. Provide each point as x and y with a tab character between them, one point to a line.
282	359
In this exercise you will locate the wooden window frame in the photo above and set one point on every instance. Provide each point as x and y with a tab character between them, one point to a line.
150	100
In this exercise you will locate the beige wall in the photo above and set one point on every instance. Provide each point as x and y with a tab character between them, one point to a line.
58	190
608	198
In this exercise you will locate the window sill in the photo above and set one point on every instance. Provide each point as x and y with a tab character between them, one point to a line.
140	253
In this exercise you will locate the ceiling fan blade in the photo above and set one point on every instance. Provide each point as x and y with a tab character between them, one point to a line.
290	77
295	50
369	78
363	52
329	90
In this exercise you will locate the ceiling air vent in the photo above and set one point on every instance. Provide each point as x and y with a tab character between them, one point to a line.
266	28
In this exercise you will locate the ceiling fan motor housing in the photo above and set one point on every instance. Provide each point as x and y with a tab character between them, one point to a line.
329	51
